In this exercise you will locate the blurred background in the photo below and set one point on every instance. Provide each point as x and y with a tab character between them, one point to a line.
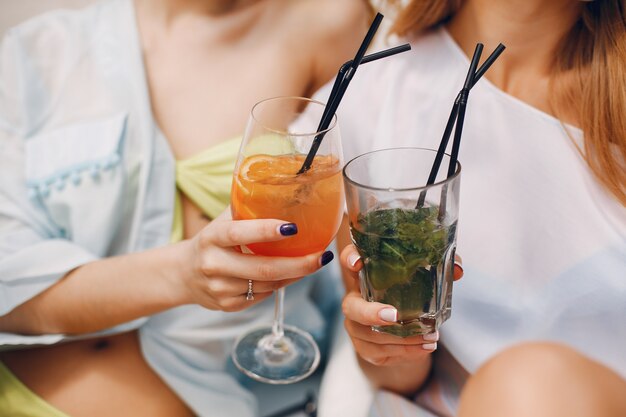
13	12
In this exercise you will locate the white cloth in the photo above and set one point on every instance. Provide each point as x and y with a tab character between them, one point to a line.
84	176
543	244
345	391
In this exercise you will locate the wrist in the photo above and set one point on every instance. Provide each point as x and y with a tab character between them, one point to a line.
404	379
179	268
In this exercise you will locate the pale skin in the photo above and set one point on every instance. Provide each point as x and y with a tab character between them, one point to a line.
202	57
534	379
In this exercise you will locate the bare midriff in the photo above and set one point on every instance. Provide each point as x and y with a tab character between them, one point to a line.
100	377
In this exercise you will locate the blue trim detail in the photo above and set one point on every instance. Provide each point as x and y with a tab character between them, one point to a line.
60	178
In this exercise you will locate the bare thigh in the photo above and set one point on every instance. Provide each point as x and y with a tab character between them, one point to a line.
96	378
541	380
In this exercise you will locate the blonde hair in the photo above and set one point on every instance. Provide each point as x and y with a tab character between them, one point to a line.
592	59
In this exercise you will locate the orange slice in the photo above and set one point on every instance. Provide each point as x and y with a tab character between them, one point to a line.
261	168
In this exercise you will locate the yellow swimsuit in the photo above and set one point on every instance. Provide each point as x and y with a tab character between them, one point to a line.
16	400
205	179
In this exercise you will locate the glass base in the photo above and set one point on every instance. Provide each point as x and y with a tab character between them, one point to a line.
286	360
428	323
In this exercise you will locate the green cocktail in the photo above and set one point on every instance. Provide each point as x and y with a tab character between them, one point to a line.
404	253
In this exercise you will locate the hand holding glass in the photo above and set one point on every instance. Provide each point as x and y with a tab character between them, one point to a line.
278	137
407	247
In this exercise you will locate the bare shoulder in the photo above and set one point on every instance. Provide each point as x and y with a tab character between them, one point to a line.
321	20
331	30
335	17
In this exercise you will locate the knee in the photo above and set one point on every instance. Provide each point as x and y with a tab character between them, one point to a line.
528	361
540	379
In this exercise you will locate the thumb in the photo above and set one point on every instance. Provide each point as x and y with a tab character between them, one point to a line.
357	309
350	259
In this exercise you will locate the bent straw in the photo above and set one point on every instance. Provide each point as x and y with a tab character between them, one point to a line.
385	53
488	62
343	85
458	131
451	121
367	58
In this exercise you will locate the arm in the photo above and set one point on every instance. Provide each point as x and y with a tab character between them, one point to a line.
102	294
205	270
397	364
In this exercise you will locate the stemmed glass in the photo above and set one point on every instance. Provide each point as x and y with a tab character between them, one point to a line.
266	185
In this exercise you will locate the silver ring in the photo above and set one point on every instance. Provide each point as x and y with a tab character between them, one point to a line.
250	295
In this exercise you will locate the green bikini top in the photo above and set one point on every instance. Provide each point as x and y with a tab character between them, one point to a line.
205	179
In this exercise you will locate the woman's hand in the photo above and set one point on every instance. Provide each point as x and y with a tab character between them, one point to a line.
399	355
216	273
206	270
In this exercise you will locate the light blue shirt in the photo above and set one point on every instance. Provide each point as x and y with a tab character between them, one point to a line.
84	176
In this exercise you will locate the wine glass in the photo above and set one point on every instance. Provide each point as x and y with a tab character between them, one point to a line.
266	185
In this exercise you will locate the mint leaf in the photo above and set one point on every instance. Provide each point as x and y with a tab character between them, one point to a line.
402	249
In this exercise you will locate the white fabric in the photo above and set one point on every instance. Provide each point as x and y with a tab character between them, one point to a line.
83	176
345	390
67	147
15	12
543	245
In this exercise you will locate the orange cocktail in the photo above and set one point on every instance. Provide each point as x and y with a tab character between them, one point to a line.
267	187
281	132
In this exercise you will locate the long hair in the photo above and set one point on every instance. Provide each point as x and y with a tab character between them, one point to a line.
588	78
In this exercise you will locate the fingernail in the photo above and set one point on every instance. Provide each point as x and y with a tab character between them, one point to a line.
353	258
327	257
429	346
432	337
459	265
288	229
389	315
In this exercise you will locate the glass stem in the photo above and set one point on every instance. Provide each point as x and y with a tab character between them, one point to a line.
279	314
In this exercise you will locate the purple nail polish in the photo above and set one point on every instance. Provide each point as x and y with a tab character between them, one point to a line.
288	229
327	257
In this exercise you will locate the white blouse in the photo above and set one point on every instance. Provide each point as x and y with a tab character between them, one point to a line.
543	244
85	175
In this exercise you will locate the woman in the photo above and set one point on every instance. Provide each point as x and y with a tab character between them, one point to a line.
100	111
538	319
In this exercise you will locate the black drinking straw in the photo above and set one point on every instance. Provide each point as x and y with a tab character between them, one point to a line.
451	122
488	62
385	53
344	68
331	107
458	131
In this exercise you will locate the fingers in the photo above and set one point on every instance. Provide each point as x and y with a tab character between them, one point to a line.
227	233
367	313
379	348
221	288
389	355
350	259
262	268
383	349
458	267
366	334
240	302
261	287
229	294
